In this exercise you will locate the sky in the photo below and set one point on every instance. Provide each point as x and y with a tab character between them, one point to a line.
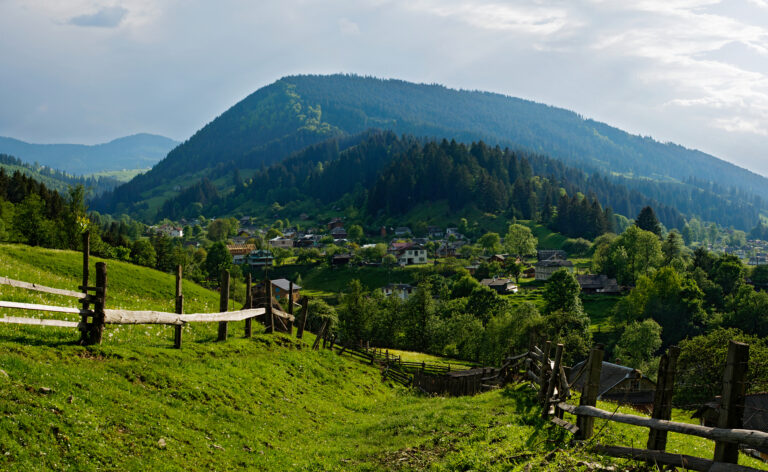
694	72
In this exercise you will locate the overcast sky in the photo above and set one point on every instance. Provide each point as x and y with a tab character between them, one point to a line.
690	71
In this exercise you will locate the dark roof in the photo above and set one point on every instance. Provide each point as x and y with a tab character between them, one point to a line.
755	411
495	282
284	284
610	376
554	261
597	282
544	254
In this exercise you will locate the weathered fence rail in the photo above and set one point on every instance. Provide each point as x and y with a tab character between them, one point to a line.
94	319
549	377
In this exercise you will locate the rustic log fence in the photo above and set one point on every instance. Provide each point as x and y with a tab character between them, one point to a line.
548	375
93	320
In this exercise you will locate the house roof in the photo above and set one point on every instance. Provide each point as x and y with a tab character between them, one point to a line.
495	282
597	282
544	254
755	411
610	376
554	261
284	284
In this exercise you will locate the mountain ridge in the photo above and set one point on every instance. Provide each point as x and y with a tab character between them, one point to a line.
298	111
136	151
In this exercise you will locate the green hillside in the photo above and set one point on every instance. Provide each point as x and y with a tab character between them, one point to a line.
299	111
266	403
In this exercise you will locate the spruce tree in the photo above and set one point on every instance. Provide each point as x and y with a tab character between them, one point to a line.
647	221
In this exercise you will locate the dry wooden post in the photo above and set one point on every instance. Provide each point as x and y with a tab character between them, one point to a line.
179	309
553	380
589	393
320	334
290	308
248	305
97	327
84	287
304	312
662	399
732	409
269	317
543	373
223	304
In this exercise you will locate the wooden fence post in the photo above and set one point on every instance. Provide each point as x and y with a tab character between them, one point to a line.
248	305
732	408
223	304
84	287
269	319
97	327
179	309
304	313
662	399
589	393
553	380
543	377
289	323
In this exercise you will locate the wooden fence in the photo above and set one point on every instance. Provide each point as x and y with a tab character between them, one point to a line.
548	374
93	320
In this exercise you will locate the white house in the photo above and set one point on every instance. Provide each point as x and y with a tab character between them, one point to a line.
282	242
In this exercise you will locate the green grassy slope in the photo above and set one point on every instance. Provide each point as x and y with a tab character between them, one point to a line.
266	403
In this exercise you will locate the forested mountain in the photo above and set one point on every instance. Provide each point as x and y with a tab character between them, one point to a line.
55	179
139	151
383	175
299	111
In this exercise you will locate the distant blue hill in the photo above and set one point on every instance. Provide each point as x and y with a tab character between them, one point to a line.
138	151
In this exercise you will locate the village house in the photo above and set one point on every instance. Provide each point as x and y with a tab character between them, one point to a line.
308	240
403	291
755	415
598	284
435	232
281	289
402	231
260	258
620	384
341	259
501	286
239	252
170	231
408	253
282	242
545	268
449	248
339	233
335	223
453	232
544	254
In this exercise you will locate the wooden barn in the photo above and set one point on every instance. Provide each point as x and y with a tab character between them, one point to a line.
755	416
620	384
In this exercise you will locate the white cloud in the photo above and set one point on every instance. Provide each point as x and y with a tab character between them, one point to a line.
348	27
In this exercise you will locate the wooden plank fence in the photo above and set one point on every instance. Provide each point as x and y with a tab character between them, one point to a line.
93	320
548	375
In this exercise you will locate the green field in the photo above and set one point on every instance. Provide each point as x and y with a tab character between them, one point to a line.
266	403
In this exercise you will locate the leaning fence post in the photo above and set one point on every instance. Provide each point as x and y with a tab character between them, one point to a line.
248	305
553	378
589	392
84	287
269	316
543	377
289	323
304	312
223	304
179	309
732	409
662	399
97	327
